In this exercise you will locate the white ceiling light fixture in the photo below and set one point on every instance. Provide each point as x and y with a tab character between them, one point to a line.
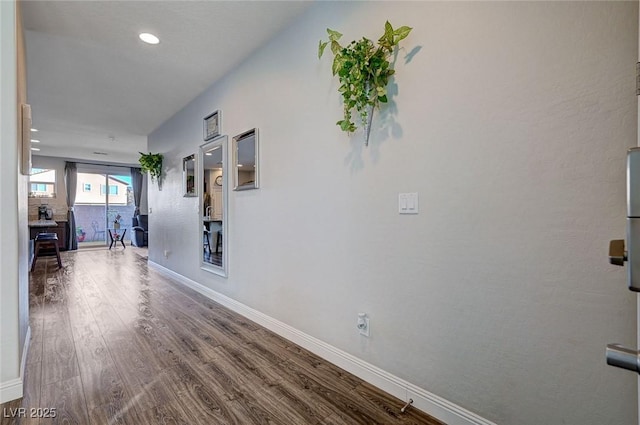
35	149
149	38
35	130
35	141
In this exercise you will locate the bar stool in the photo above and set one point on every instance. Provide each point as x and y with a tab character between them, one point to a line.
46	240
205	239
218	240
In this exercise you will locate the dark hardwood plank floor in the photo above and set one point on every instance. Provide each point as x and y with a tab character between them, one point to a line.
114	342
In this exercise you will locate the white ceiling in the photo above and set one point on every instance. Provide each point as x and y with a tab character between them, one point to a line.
90	79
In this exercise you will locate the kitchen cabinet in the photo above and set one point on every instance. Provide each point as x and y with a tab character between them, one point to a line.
61	229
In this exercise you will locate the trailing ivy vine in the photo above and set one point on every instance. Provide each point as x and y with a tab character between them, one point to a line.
151	162
364	71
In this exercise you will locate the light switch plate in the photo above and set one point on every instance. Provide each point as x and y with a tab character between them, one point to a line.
408	203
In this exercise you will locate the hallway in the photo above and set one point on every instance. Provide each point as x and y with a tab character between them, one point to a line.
116	342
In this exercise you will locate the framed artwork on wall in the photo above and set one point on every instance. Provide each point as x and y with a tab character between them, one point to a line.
25	139
213	125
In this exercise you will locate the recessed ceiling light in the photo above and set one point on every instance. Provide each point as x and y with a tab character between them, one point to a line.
35	149
35	130
208	154
239	165
149	38
35	141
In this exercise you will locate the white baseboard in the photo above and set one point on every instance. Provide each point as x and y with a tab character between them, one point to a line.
11	390
429	403
14	389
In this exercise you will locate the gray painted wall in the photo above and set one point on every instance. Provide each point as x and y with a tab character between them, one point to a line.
14	302
511	120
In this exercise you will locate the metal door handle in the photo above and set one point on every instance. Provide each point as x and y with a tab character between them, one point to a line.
623	357
617	254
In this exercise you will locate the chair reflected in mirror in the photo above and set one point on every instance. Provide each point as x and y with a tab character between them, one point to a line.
206	239
210	255
219	242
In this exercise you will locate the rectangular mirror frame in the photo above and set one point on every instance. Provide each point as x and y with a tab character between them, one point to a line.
219	270
189	188
236	170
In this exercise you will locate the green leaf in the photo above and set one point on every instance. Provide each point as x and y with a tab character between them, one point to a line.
383	99
321	47
388	34
336	65
388	29
401	33
335	47
333	35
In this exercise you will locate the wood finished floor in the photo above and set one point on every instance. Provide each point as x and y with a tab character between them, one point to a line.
114	342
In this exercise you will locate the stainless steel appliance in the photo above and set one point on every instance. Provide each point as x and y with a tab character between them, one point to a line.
617	355
45	213
42	212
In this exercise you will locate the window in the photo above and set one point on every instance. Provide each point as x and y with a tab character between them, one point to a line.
41	187
113	189
86	187
42	183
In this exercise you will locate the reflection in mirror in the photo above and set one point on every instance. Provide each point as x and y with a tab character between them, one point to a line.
245	160
189	175
213	198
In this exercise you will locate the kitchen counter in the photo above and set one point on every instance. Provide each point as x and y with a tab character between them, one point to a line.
43	223
211	219
59	227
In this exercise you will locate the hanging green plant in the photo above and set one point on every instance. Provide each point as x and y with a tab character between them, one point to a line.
364	71
151	162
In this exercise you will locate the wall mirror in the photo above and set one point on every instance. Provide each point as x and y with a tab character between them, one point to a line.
189	175
245	160
213	194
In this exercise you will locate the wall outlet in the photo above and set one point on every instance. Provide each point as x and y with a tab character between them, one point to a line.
166	254
363	324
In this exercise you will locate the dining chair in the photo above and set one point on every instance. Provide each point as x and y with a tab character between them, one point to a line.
96	231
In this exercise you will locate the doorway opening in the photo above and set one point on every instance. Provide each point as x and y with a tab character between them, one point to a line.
102	200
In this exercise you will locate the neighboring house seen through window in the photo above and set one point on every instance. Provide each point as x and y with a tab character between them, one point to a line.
113	189
42	183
